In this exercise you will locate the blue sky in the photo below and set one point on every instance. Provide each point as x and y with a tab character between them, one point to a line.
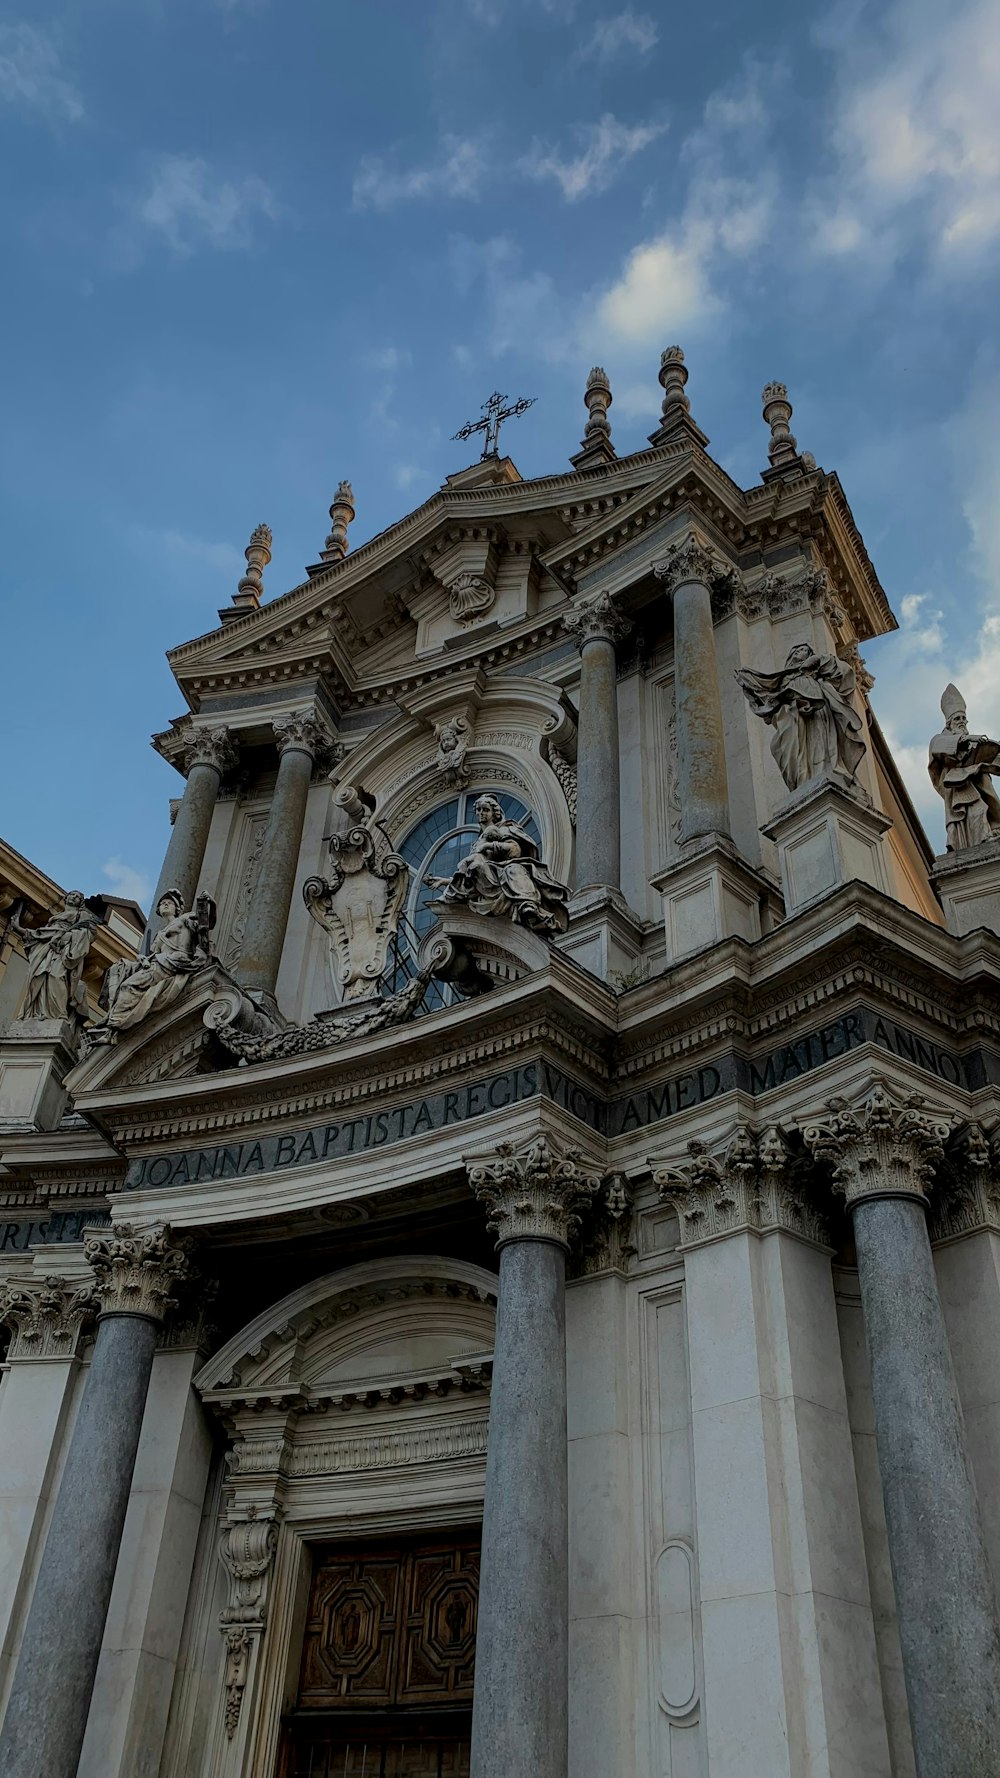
253	247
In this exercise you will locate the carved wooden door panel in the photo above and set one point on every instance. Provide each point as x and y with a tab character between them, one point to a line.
392	1627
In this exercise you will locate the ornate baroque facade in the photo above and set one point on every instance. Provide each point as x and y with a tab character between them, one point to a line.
506	1281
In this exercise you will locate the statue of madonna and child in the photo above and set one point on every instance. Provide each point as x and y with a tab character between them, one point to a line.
140	986
503	874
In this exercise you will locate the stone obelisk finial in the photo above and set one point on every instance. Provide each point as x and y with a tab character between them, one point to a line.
596	448
341	514
250	591
784	456
675	416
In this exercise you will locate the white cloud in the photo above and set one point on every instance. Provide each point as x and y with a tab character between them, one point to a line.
664	287
610	146
223	559
917	128
614	36
189	206
404	475
130	884
457	173
31	75
921	630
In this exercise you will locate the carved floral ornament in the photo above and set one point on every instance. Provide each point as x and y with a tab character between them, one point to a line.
138	1271
881	1146
752	1179
599	620
534	1193
689	560
46	1316
246	1552
211	747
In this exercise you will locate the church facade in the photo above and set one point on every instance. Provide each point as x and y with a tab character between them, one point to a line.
508	1280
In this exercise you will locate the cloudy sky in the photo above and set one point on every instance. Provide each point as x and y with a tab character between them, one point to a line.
252	246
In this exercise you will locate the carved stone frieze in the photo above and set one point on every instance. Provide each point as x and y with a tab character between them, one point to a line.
138	1271
565	772
533	1194
598	620
751	1181
47	1316
882	1146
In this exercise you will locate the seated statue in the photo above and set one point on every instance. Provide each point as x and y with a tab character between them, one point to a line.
57	953
144	985
503	874
808	704
962	767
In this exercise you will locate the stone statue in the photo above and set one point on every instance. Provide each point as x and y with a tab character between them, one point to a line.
453	739
808	704
144	985
961	767
57	953
503	874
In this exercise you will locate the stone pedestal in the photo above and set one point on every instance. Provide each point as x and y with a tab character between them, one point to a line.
826	837
520	1719
35	1057
968	887
710	894
604	935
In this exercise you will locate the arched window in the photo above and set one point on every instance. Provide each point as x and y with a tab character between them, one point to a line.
434	848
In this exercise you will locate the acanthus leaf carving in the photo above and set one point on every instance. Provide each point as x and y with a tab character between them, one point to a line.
46	1315
534	1193
138	1271
247	1553
882	1145
751	1180
597	620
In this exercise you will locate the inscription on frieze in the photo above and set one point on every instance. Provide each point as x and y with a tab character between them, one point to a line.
683	1091
53	1230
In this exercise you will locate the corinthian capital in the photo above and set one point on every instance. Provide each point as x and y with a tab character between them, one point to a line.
882	1146
687	560
46	1316
138	1272
599	620
752	1180
211	747
535	1194
301	730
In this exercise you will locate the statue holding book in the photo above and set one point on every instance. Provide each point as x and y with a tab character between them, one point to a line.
962	768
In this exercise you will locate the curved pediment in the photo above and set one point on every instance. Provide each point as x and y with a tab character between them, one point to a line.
171	1045
413	1324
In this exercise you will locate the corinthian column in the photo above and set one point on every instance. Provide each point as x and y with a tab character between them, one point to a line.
883	1154
597	626
686	575
50	1696
210	754
299	737
519	1717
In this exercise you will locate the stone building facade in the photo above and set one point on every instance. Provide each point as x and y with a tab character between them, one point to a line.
511	1280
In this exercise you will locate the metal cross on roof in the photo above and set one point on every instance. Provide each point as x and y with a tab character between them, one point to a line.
494	415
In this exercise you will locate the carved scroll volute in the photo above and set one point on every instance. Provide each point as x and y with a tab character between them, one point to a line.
359	904
247	1554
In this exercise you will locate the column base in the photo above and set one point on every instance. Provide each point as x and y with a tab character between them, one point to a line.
825	837
967	885
711	894
35	1057
605	935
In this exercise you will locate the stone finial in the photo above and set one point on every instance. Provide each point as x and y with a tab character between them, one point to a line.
675	415
341	514
883	1145
783	450
138	1271
536	1194
250	590
597	620
596	447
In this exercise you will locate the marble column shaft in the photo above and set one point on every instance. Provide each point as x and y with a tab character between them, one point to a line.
520	1722
701	752
597	626
264	936
520	1708
47	1712
945	1597
185	852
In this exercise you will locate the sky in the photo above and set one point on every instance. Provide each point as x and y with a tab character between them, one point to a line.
253	246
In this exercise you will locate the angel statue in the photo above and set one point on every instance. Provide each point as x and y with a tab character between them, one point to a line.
143	985
503	874
57	953
961	768
808	704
